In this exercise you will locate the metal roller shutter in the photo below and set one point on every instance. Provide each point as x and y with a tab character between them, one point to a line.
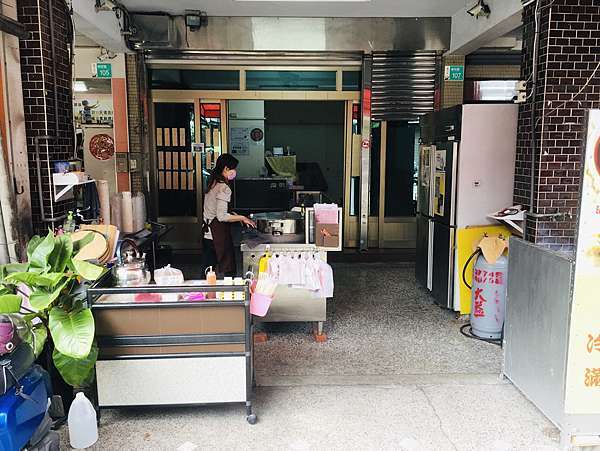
403	84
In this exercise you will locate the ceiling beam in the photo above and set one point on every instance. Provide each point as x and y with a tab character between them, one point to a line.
468	33
101	27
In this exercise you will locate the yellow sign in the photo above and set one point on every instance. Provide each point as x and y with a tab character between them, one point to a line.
583	365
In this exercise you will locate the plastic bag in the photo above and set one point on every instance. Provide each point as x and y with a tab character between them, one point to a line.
168	276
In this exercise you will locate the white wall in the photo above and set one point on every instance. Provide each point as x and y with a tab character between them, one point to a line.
86	56
468	33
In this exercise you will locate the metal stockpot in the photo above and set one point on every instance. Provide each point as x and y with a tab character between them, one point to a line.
279	223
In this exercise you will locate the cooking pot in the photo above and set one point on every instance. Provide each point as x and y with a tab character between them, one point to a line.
279	222
130	269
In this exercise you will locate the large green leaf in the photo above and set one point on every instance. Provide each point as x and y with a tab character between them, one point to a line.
76	372
63	250
47	280
72	332
39	256
33	244
39	336
10	303
83	242
6	270
87	270
42	298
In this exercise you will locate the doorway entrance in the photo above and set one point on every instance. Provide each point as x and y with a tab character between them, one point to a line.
394	165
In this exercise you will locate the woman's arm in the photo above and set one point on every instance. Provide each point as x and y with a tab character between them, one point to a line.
224	216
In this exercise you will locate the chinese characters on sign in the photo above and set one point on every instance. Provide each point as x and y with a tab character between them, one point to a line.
593	343
491	277
479	303
592	377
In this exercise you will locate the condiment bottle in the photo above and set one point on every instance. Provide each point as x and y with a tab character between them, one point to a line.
211	279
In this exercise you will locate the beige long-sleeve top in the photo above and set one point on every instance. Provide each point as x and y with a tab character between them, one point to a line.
216	205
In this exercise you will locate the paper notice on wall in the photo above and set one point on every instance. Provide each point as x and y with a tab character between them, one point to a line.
425	166
440	160
240	140
583	363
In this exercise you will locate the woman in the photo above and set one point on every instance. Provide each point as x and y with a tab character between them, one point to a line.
218	244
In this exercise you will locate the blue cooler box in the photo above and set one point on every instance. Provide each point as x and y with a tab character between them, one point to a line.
21	415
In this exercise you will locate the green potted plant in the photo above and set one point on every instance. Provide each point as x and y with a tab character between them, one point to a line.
50	291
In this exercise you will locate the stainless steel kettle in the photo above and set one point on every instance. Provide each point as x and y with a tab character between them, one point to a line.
130	269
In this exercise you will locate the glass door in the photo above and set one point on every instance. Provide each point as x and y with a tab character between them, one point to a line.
393	202
177	185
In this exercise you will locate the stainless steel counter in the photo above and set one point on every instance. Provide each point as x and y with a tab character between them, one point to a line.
289	304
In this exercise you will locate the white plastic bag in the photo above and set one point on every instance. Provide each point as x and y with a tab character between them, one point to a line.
168	276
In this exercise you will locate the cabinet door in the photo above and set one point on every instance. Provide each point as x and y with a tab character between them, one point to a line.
171	381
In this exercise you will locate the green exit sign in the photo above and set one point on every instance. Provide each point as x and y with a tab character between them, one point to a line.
454	73
103	70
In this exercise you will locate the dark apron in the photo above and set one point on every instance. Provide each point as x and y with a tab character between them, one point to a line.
223	244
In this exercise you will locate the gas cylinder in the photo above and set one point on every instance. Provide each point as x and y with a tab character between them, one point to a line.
488	297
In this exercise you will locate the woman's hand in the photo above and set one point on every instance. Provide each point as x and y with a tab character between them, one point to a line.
248	222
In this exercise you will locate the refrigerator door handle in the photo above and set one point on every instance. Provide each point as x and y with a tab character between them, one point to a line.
431	179
450	299
454	182
430	256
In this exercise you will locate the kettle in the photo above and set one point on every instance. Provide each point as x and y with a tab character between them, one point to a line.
130	268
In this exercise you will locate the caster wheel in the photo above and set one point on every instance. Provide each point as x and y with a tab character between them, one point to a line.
251	419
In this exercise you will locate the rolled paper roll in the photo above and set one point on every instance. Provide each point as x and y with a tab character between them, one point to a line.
115	211
127	212
104	196
139	212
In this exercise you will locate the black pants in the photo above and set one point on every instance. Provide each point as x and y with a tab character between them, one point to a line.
209	258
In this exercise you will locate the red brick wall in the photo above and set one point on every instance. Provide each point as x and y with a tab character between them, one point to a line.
569	50
39	83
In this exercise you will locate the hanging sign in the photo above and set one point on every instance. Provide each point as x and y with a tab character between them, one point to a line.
583	363
454	73
102	70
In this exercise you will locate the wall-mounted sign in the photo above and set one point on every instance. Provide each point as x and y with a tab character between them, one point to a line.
102	70
240	140
102	146
583	369
454	73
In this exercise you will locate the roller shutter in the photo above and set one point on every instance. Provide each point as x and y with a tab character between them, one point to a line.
403	84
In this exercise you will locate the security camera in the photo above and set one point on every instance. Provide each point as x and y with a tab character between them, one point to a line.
480	9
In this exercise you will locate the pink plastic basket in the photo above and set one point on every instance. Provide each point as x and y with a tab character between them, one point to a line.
259	304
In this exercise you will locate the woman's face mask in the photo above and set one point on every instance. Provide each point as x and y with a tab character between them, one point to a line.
231	174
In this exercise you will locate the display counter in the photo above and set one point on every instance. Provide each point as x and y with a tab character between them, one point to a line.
156	347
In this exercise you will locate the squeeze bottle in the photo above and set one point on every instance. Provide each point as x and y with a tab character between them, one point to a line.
211	279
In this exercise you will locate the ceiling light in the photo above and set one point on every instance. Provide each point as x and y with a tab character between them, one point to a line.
307	1
79	86
195	20
481	9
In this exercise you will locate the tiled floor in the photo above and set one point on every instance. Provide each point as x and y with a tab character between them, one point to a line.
380	322
394	374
